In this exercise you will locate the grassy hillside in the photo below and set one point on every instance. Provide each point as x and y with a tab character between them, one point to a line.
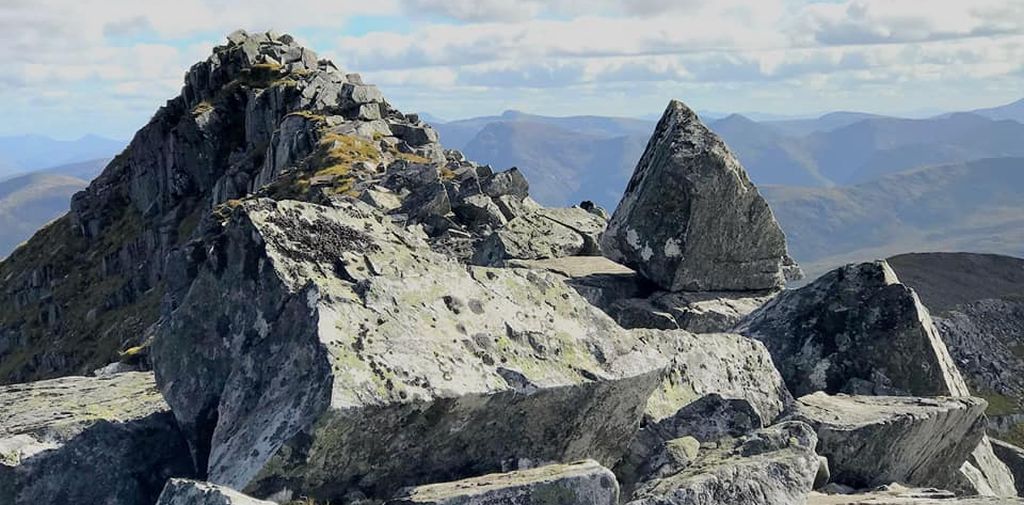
28	202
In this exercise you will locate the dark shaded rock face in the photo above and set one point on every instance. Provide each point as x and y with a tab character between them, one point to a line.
690	218
88	440
855	330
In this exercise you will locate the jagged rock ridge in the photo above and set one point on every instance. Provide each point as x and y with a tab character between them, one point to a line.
262	115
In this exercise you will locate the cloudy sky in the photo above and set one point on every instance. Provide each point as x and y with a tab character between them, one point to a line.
103	66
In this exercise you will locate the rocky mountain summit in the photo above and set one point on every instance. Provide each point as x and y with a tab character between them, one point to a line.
287	291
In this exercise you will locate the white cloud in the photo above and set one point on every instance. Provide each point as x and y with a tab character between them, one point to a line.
563	54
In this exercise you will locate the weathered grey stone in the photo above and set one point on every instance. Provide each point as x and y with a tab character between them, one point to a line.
381	198
88	440
543	234
479	210
732	366
361	93
690	219
191	492
895	494
581	483
652	454
508	183
985	474
699	312
710	312
415	134
324	349
598	279
1013	457
776	465
874	440
855	330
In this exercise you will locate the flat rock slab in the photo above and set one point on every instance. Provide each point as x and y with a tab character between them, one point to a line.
855	330
581	483
190	492
773	466
875	440
88	440
690	218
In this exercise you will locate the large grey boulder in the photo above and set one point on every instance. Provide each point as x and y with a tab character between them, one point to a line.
323	349
88	440
875	440
855	330
776	466
191	492
581	483
690	218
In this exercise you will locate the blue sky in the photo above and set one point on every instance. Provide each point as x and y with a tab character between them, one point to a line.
104	66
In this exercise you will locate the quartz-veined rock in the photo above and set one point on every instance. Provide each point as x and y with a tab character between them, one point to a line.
776	466
690	218
323	348
580	483
855	330
191	492
88	440
874	440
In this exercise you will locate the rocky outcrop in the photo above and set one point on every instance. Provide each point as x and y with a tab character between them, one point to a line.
580	483
690	218
1013	457
88	440
874	440
855	330
448	371
976	304
542	234
191	492
985	474
776	465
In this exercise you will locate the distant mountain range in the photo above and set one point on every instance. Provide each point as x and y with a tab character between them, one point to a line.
976	206
28	202
590	157
22	154
830	179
